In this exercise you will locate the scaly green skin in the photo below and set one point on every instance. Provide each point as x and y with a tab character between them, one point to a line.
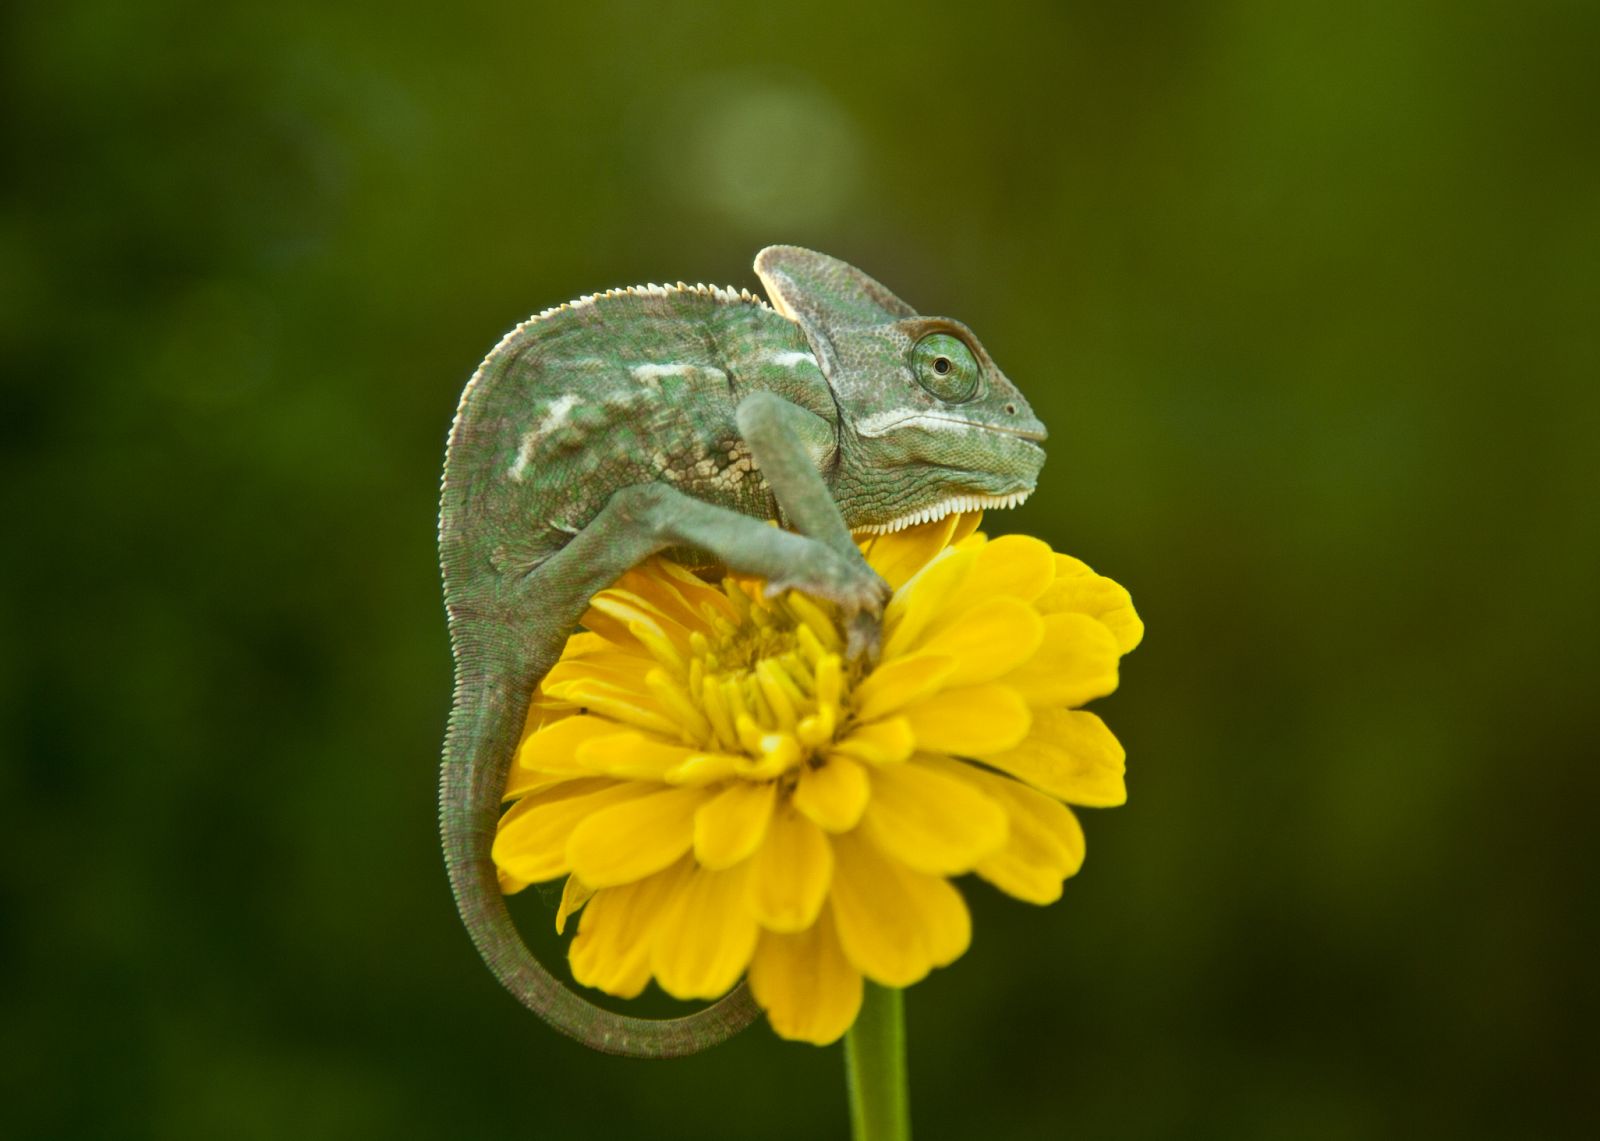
682	419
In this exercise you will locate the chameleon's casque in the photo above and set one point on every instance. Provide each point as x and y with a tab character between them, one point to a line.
682	418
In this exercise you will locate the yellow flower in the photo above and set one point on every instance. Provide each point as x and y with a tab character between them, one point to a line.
726	793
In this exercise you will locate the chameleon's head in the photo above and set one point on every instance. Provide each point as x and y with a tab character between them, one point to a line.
930	424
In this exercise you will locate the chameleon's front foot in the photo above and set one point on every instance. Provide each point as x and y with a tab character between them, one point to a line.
847	582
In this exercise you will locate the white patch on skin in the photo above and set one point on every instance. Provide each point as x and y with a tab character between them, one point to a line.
792	359
556	415
652	373
884	422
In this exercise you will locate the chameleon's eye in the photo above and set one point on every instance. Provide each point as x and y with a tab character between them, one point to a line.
945	367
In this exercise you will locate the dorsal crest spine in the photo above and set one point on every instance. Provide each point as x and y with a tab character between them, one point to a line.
723	293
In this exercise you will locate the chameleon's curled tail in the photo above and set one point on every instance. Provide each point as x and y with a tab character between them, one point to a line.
485	723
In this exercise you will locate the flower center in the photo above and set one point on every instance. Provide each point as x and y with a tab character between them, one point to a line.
766	687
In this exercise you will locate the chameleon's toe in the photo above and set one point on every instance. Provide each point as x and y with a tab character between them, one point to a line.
863	636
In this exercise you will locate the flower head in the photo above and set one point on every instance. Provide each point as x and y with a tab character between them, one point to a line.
725	791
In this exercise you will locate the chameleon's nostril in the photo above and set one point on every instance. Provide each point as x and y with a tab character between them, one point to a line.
1011	409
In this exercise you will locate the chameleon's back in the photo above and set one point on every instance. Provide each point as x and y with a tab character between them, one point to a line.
627	387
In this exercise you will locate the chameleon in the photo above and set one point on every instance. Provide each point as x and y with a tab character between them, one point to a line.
686	420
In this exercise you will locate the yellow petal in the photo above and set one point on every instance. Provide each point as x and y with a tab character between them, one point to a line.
705	941
614	631
706	768
1078	590
1077	662
543	711
525	782
531	841
621	703
900	682
621	669
808	988
1016	565
880	743
833	794
631	840
630	755
923	599
966	524
574	894
677	592
732	824
790	873
990	639
894	924
898	556
626	619
1072	756
1044	843
932	822
675	702
553	750
973	721
586	645
611	950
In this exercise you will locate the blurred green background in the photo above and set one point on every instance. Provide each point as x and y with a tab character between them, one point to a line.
1307	293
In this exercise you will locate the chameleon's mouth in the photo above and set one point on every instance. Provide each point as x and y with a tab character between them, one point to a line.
882	425
1035	435
945	507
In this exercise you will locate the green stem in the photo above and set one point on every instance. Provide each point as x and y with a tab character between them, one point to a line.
875	1067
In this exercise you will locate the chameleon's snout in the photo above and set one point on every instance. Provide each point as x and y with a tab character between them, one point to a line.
1017	419
1032	431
